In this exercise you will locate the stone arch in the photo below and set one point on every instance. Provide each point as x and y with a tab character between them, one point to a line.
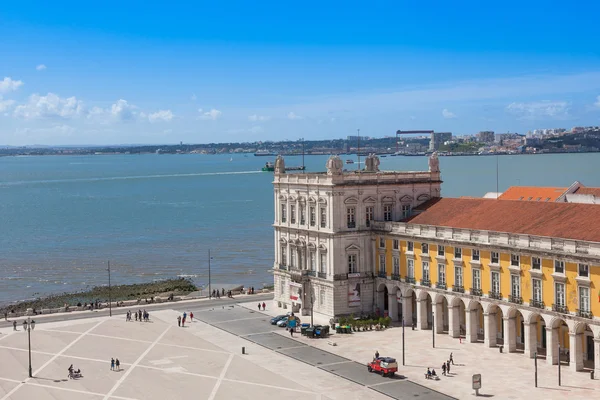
441	316
581	349
424	309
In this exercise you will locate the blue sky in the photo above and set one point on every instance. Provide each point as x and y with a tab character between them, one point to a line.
155	72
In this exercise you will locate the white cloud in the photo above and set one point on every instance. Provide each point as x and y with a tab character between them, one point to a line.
540	109
5	104
40	67
161	116
292	116
9	84
597	103
258	118
212	114
123	111
49	106
448	114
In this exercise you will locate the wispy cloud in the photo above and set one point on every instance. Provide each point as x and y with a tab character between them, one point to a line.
597	103
161	116
293	116
5	105
258	117
193	97
448	114
540	110
213	114
9	85
40	67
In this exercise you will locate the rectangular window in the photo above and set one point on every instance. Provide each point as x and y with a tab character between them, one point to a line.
396	266
382	242
323	217
424	248
559	267
515	286
302	214
411	268
351	217
536	263
584	270
496	282
313	261
382	262
425	270
368	215
458	276
442	274
495	257
584	299
395	244
387	212
559	294
313	216
410	246
283	213
292	213
352	267
537	290
282	286
284	255
475	255
292	258
476	279
441	250
457	253
323	262
405	211
515	260
321	297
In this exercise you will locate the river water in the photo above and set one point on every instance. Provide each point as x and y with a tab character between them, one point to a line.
156	216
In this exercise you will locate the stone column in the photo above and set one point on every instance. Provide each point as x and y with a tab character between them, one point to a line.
407	312
575	352
393	306
439	317
530	336
454	321
422	314
551	346
490	331
510	334
471	334
597	358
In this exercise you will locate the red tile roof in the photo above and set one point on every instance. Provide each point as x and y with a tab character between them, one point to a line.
561	220
532	193
588	190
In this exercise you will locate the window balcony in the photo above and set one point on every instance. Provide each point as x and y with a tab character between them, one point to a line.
409	279
351	225
585	314
495	295
382	274
395	277
322	275
441	285
312	273
283	267
560	308
537	304
458	288
476	292
340	277
425	282
515	299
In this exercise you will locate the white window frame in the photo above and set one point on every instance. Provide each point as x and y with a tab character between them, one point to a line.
396	244
585	268
410	247
405	210
352	259
536	287
396	262
515	285
476	278
283	213
559	300
381	242
321	297
410	268
562	266
426	274
323	262
536	265
323	217
284	256
515	260
584	299
382	263
494	255
442	273
388	212
458	253
458	276
369	212
302	214
292	257
441	253
313	261
351	217
312	216
292	213
424	248
476	255
495	283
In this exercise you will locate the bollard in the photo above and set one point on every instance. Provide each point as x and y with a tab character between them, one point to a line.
500	348
592	375
243	350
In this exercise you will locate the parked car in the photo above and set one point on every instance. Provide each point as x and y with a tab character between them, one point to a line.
276	319
387	366
282	323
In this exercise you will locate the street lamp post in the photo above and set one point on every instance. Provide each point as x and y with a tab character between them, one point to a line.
209	286
312	304
433	328
29	325
535	364
403	341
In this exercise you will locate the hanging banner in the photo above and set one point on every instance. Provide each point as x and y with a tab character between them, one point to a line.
296	292
354	295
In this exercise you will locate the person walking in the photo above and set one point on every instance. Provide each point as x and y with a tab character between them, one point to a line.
259	306
191	316
444	369
376	354
292	332
179	320
448	367
14	325
264	306
112	364
118	364
451	359
136	316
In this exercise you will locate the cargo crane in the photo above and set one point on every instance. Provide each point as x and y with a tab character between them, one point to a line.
409	133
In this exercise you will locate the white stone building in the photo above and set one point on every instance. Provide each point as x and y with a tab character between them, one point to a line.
324	247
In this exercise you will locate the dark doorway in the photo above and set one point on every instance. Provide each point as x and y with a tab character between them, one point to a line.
544	336
386	304
590	348
522	332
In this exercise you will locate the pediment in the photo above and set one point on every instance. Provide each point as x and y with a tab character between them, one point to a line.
370	200
311	245
351	200
322	200
406	199
352	247
282	241
423	197
282	197
322	247
311	199
387	199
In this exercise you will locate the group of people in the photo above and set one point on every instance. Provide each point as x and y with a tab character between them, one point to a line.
264	306
139	316
445	369
115	365
181	319
74	374
251	290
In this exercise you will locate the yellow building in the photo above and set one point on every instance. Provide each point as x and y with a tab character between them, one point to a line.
524	275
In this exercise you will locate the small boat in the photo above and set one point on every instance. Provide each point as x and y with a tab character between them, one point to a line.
270	167
231	159
349	161
264	153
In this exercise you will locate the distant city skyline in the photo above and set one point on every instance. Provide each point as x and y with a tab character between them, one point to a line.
201	72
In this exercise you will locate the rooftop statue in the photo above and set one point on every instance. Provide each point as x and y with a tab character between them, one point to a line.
334	166
279	165
434	162
372	163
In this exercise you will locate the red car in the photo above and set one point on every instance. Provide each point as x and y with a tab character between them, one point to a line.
387	366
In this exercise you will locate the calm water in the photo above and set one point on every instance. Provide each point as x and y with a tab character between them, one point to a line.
156	216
